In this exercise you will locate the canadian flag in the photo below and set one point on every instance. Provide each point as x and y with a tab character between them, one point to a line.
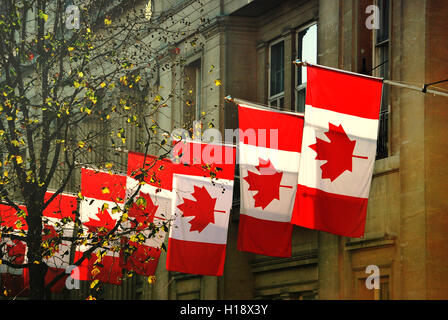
338	151
12	280
203	190
56	252
269	157
58	221
100	210
149	214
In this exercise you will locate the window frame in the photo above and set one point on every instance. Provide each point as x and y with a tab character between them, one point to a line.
195	65
277	98
382	70
302	86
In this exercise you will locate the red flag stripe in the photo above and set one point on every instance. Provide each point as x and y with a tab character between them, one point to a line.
196	257
256	120
336	91
8	217
93	184
333	213
160	173
143	261
62	206
196	156
277	236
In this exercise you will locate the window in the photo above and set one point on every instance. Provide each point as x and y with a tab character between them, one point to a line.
192	93
277	74
381	54
306	51
382	293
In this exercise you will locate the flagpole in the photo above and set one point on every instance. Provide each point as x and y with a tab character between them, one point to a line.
408	86
423	89
260	106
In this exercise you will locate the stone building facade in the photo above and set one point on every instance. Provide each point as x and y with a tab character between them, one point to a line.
249	46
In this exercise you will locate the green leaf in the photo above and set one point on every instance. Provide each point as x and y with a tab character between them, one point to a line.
141	202
42	15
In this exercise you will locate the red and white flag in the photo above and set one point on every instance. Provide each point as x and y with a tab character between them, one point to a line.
100	210
58	221
55	252
201	209
149	213
338	151
269	158
13	281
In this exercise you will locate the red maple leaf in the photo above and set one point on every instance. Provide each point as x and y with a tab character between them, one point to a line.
51	237
267	183
49	234
143	213
202	209
338	152
104	224
16	251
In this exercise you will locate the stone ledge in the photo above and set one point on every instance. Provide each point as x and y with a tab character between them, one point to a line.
370	241
298	259
387	165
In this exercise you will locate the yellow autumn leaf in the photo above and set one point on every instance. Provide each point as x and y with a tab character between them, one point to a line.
19	159
94	283
81	144
218	82
151	279
15	143
102	84
43	16
108	165
105	190
80	74
95	271
107	21
76	84
70	49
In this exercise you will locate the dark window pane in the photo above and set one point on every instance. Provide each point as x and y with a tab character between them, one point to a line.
383	32
301	100
383	136
277	68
